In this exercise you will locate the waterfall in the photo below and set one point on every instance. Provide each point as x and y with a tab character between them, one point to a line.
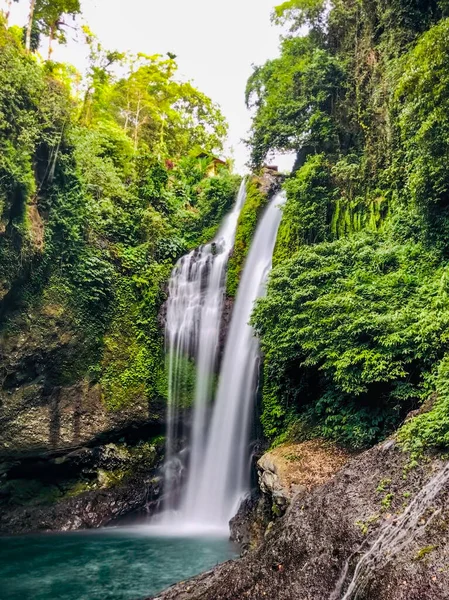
194	309
221	479
392	538
218	469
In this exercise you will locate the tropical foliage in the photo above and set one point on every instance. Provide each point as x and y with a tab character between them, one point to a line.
354	326
100	193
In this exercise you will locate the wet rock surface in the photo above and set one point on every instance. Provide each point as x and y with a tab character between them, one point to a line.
304	553
67	459
87	511
251	522
85	488
282	473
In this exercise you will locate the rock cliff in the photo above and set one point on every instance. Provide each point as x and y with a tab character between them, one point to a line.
328	527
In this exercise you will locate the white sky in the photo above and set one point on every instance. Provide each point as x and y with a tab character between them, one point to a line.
215	42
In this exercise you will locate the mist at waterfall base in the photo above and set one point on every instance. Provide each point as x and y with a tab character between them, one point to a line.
110	564
217	474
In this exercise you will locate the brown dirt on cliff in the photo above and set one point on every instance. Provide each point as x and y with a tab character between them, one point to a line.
36	227
307	464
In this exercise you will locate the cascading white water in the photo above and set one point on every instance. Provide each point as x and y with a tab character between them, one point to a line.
196	293
222	477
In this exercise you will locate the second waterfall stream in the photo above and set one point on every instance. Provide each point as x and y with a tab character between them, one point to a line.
217	470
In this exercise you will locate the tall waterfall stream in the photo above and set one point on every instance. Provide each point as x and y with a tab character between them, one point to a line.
196	294
218	466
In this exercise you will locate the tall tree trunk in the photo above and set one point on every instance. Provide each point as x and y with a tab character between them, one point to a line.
30	25
51	39
161	138
136	127
86	111
128	113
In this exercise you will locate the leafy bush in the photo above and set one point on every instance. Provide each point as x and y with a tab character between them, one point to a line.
348	329
422	105
431	429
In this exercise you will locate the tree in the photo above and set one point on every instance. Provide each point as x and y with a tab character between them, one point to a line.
50	16
99	77
301	13
30	25
294	97
162	114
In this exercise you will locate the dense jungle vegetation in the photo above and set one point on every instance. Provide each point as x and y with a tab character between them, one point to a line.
355	325
104	182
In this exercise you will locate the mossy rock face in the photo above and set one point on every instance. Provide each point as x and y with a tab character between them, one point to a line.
108	479
87	487
260	190
22	492
51	396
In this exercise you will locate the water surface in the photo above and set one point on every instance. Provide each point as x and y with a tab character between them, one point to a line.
102	565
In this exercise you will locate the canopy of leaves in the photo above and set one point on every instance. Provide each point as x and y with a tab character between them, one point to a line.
294	98
50	16
355	321
163	114
98	197
299	13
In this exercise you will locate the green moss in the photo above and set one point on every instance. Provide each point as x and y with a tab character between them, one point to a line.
80	487
364	526
387	500
139	458
383	485
108	479
250	214
158	442
423	552
145	454
30	492
133	367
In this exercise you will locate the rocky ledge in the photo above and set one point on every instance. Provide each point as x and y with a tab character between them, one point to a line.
375	507
85	488
292	468
282	473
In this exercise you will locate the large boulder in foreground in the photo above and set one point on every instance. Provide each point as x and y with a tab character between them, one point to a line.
325	532
282	473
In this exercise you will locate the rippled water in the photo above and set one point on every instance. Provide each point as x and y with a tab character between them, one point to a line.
102	565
